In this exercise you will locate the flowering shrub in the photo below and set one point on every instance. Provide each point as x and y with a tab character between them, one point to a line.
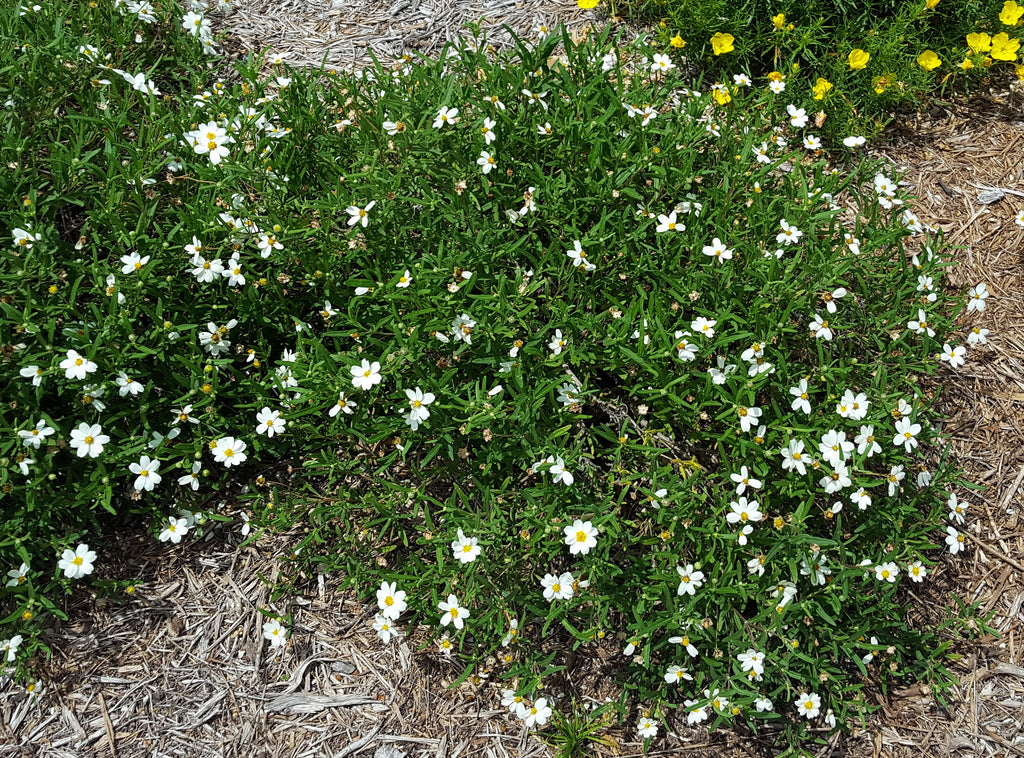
565	351
853	63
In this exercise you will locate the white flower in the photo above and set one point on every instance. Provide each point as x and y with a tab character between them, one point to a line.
536	97
581	537
954	540
25	238
957	510
273	631
128	386
206	271
403	281
357	215
718	250
853	407
906	434
743	480
887	572
466	549
557	587
579	257
797	116
831	297
749	417
445	115
452	613
146	470
558	343
462	329
35	373
343	405
662	63
646	727
777	86
9	648
77	563
174	529
976	297
916	571
366	375
704	326
861	499
233	273
487	130
921	325
33	438
763	704
820	328
808	705
210	139
752	661
812	143
793	457
268	243
854	141
382	625
690	580
695	714
743	511
191	479
390	600
537	714
977	336
18	576
741	80
269	422
954	356
816	570
229	451
789	235
133	262
76	366
801	400
837	480
88	440
669	224
486	162
676	674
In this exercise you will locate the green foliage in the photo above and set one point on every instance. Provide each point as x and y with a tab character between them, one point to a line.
485	359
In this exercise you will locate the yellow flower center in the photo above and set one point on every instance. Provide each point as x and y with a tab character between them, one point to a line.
78	560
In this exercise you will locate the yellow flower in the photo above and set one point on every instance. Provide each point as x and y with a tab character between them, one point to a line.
722	43
967	64
979	42
1011	13
859	58
678	41
779	21
722	96
587	4
929	4
880	83
1004	48
821	88
928	60
775	76
1020	73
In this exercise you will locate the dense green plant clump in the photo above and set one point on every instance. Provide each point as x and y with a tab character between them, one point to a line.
565	349
855	63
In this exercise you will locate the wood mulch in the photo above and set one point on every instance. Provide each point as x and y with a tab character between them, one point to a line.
180	667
